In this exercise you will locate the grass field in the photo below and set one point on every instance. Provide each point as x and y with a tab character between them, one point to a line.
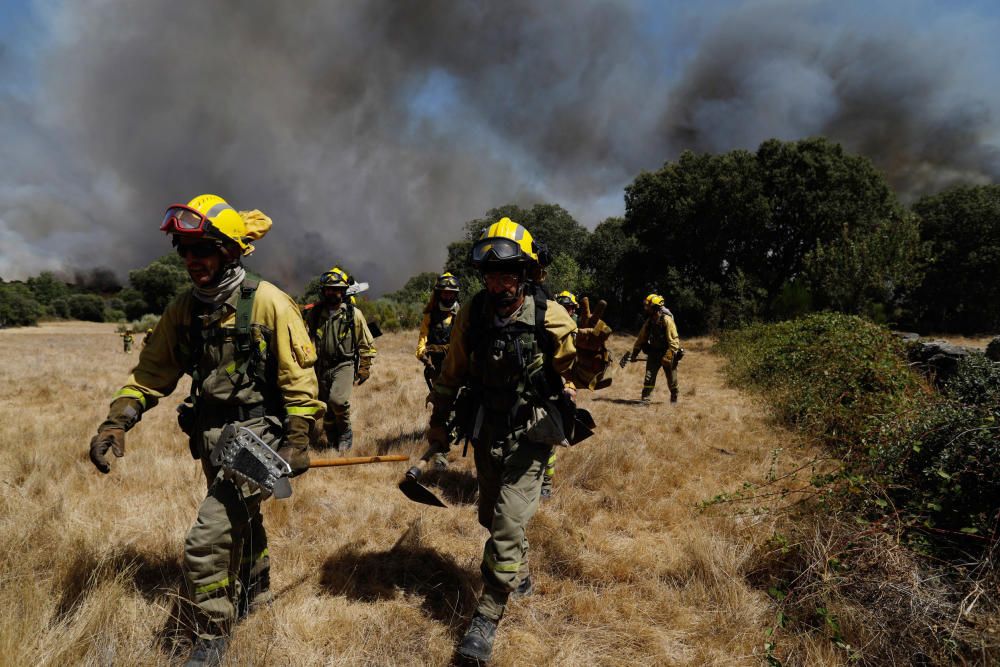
627	570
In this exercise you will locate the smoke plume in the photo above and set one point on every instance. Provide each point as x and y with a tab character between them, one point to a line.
370	130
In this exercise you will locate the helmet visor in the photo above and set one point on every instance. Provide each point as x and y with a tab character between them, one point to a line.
183	220
496	249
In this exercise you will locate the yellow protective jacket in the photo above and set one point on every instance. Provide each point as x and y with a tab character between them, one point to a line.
435	328
333	340
278	332
659	333
456	369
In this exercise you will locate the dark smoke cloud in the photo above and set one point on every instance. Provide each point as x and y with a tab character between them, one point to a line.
917	102
370	130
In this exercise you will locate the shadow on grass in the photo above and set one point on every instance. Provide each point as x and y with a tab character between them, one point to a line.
153	576
457	487
408	568
386	445
623	401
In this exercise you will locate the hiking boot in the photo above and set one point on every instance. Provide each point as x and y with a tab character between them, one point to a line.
673	397
644	402
524	589
546	492
477	644
345	441
207	652
440	461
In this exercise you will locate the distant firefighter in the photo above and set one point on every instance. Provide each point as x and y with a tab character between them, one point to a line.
127	341
345	350
145	338
435	333
659	340
567	300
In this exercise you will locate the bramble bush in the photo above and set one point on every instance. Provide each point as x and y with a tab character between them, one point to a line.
916	464
927	458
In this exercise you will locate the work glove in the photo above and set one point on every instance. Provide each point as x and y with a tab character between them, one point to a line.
295	450
108	437
592	357
668	359
426	361
364	372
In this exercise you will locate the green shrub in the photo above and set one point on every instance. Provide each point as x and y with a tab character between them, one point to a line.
88	307
18	307
391	315
829	374
59	308
145	322
929	460
941	462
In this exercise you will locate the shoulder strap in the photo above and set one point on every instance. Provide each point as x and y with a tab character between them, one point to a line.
354	329
545	341
244	309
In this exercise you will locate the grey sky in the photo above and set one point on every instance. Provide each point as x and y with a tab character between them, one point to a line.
371	130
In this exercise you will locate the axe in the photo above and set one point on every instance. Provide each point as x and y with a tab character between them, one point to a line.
413	489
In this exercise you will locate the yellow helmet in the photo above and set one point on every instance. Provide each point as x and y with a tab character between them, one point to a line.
504	243
335	277
566	298
446	282
654	300
211	216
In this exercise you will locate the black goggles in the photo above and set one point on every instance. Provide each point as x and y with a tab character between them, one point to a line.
496	250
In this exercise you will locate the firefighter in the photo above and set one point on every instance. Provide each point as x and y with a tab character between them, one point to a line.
567	300
514	350
145	338
248	353
345	350
435	332
127	341
659	340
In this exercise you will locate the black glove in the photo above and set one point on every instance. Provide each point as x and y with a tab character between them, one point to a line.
107	438
295	451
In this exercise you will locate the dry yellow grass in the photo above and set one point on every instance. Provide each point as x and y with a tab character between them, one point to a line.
627	570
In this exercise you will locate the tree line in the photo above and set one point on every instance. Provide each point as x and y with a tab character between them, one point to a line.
728	239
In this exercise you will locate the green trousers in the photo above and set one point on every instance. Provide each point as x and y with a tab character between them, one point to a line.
335	390
226	562
654	362
510	485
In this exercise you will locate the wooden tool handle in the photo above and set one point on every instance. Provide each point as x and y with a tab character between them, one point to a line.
357	460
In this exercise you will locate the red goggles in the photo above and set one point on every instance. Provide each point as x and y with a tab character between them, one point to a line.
181	219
